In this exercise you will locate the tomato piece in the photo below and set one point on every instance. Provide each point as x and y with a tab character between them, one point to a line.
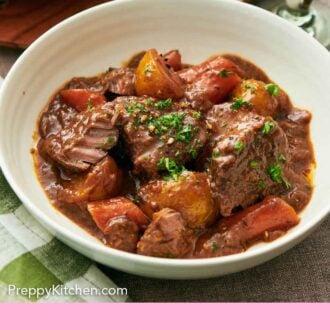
82	99
154	79
215	78
216	64
173	59
104	211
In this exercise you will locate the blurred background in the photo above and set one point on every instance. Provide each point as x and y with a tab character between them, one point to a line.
21	21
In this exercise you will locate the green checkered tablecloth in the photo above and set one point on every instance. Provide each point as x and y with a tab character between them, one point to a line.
35	266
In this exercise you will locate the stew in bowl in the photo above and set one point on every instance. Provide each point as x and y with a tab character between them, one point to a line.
171	160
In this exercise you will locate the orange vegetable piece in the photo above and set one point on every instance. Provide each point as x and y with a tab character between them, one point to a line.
154	79
82	99
103	211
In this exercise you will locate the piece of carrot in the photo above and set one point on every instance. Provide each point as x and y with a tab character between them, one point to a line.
82	99
264	221
104	210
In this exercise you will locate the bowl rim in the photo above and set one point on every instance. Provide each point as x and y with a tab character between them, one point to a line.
48	222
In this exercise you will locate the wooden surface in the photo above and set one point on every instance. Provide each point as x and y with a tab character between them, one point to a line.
23	21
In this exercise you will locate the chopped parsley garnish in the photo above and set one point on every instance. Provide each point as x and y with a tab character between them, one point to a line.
133	107
162	104
147	68
174	170
275	173
137	121
214	247
272	89
238	103
197	114
149	102
163	123
193	152
254	164
287	184
215	153
282	158
224	73
185	134
262	184
268	127
89	104
177	154
112	139
239	145
130	110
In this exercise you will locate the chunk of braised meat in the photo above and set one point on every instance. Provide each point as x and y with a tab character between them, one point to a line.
245	156
102	181
167	236
190	195
57	116
60	113
84	142
122	234
264	221
118	81
154	129
301	162
210	82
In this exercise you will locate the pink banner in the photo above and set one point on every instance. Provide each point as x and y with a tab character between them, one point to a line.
165	316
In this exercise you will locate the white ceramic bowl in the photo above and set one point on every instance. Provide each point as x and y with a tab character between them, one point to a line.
106	35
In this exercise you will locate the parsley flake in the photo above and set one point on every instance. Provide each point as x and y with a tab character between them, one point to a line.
214	247
147	68
89	104
238	103
282	158
268	127
275	173
262	184
111	139
174	170
197	114
272	89
162	104
239	145
254	164
224	73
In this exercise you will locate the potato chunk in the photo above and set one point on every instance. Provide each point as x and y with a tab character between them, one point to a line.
263	97
153	78
190	195
102	181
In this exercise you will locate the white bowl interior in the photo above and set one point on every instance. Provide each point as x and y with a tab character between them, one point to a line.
109	34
